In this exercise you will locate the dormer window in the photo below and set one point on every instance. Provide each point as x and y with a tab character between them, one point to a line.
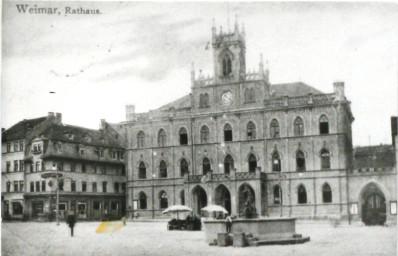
36	148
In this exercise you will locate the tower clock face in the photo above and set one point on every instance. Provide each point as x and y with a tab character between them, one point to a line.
227	98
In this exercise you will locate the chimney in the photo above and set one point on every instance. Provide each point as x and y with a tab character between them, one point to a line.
103	125
130	111
58	117
50	114
338	87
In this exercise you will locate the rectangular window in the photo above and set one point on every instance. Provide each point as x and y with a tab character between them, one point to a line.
21	145
32	186
37	166
21	187
113	154
15	165
21	165
16	148
101	153
103	170
37	186
8	166
73	186
43	186
94	186
123	187
60	166
8	147
83	167
123	171
104	186
116	187
72	167
15	186
121	155
84	186
94	168
8	186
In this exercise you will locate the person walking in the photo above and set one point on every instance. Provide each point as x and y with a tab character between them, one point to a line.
71	220
228	223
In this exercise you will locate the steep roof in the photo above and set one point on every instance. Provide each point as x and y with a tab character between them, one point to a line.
279	90
21	129
293	89
374	156
79	135
183	102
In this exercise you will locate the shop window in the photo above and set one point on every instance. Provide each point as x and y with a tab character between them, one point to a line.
163	200
142	201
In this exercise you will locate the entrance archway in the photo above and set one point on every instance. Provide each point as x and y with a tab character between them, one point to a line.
199	199
373	204
222	197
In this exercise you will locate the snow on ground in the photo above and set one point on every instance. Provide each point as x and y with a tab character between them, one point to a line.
152	238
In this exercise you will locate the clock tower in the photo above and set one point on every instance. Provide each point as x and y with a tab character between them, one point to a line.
229	50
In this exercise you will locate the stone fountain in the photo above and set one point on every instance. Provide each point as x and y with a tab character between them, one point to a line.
250	230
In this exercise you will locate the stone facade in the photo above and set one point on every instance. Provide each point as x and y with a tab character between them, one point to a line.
237	132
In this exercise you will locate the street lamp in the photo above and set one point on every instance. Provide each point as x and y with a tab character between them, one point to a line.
54	168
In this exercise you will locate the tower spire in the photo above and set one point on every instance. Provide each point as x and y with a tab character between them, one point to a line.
236	25
192	74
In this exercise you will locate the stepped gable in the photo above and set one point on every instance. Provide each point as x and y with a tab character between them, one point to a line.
79	135
374	156
293	89
20	130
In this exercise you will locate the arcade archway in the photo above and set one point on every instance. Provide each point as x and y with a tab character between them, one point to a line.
199	199
373	204
222	197
247	200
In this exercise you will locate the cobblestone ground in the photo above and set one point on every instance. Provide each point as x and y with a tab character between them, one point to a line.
152	238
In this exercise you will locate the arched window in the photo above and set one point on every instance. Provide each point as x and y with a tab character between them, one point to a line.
163	200
201	101
326	193
206	100
252	95
252	163
300	161
228	164
162	138
298	127
228	132
274	129
226	66
276	162
162	169
247	95
277	195
251	131
206	167
323	125
142	201
183	136
325	159
142	171
204	134
183	167
301	195
141	139
182	197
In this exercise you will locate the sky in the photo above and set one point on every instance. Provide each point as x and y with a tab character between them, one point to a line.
141	53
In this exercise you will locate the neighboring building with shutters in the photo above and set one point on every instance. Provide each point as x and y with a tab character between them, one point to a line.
12	167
